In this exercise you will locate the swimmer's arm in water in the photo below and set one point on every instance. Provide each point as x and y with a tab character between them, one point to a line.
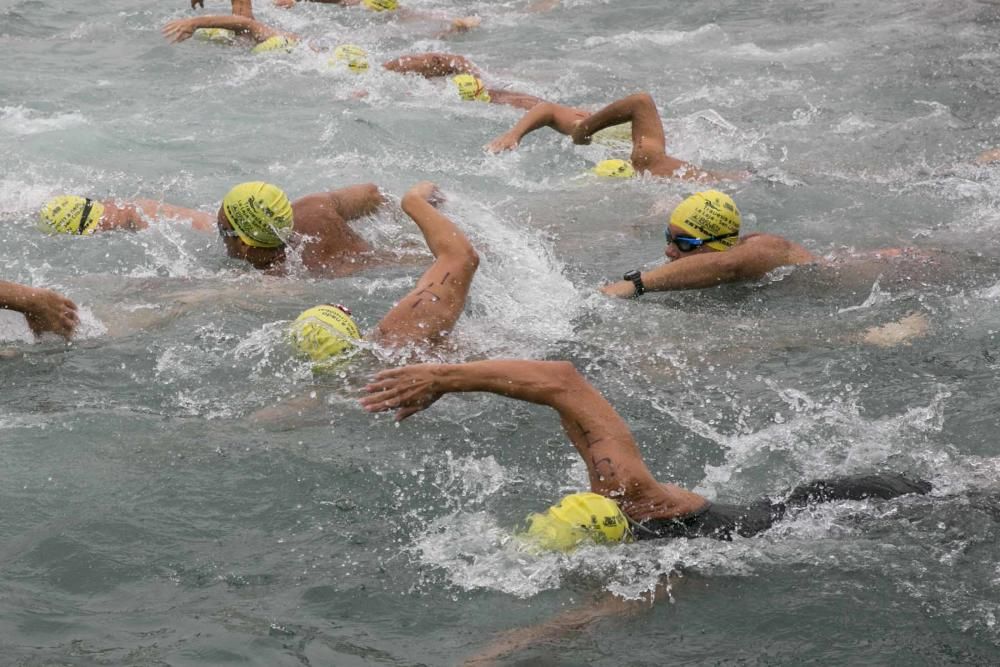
560	118
750	260
44	309
430	310
598	432
574	620
291	3
543	6
200	220
430	65
182	29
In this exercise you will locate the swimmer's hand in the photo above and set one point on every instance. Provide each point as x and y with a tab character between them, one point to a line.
623	289
406	390
465	23
47	311
179	30
284	3
427	191
507	141
578	136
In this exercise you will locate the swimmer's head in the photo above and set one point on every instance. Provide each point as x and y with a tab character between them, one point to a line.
325	332
276	43
69	214
259	213
577	518
381	5
614	169
470	88
353	57
706	215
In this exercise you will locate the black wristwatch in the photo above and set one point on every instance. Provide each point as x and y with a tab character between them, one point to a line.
635	276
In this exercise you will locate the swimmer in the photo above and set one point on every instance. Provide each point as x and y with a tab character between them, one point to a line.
466	77
649	153
705	249
428	313
245	28
72	214
421	320
44	309
258	224
625	502
240	7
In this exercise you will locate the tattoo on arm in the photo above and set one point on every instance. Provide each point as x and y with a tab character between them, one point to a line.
586	436
427	290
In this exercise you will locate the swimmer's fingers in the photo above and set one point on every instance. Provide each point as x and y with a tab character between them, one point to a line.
427	191
284	3
505	142
178	31
51	312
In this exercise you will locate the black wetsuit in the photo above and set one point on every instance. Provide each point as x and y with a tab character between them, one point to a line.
721	521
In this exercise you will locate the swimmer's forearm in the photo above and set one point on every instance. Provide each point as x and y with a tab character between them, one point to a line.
442	236
616	113
238	24
539	116
525	380
431	65
695	272
16	297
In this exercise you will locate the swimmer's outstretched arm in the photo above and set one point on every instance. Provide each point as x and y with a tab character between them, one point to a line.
750	260
429	312
560	118
430	65
200	220
182	29
44	309
563	624
601	437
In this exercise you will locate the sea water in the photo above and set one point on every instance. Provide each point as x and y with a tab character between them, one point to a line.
177	488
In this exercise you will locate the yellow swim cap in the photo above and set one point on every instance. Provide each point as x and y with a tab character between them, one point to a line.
614	135
575	518
614	169
323	332
353	56
381	5
276	43
260	213
220	35
709	213
470	88
69	214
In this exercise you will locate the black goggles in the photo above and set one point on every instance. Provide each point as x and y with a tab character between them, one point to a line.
689	243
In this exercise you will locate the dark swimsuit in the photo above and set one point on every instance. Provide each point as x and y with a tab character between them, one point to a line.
721	521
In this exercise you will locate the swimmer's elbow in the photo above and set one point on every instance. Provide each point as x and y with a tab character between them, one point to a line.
564	376
641	97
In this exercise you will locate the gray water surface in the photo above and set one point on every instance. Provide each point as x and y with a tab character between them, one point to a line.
165	500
